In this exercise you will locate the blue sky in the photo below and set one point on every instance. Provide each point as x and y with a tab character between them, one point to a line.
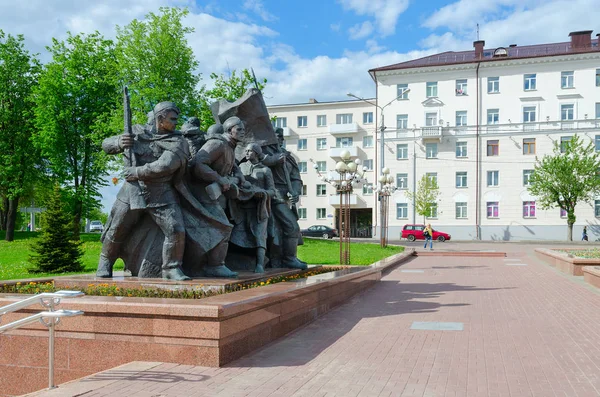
313	49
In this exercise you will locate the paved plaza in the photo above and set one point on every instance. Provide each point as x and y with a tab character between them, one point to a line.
435	326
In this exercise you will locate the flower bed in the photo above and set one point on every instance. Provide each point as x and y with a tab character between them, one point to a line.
591	253
113	289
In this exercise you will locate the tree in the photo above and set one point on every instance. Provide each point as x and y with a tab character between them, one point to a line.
56	251
567	177
425	197
230	88
157	64
19	161
75	99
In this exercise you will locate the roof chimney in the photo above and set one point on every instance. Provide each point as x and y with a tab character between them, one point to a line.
512	45
312	100
581	39
479	48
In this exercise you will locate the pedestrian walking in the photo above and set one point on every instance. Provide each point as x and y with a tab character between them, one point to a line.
584	236
428	234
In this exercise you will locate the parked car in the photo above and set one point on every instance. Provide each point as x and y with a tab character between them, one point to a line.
415	232
319	231
96	226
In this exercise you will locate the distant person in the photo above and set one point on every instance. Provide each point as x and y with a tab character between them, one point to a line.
428	234
29	227
584	236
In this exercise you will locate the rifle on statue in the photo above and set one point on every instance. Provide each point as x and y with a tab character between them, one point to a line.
137	200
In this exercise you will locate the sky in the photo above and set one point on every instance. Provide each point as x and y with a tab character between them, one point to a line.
318	49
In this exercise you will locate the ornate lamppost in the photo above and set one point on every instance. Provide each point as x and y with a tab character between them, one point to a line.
384	191
348	175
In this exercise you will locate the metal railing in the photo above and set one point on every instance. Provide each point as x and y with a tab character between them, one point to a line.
49	318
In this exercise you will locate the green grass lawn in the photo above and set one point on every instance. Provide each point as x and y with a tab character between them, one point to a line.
14	255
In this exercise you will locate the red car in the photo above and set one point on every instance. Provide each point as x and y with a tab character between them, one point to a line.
415	232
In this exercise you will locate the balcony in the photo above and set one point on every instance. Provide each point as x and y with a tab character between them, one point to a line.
343	129
335	152
431	133
334	200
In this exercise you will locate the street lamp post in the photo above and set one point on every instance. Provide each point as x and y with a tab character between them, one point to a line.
382	203
349	175
385	190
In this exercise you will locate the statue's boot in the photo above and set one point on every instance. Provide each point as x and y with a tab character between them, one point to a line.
105	267
260	260
174	274
290	248
259	269
219	271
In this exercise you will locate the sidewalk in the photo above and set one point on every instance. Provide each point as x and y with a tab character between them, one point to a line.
516	327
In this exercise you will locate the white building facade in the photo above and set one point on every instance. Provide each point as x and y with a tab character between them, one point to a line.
475	121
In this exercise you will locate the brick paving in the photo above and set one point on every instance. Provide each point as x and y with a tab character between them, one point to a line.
528	331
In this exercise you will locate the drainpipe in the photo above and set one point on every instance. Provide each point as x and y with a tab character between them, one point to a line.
477	158
375	196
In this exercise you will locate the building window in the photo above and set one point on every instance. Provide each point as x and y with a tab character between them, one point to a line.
322	166
492	178
461	210
280	122
430	119
566	79
402	91
344	118
302	121
493	148
368	118
402	181
567	112
402	121
528	209
461	118
302	144
301	213
432	177
597	141
461	179
368	189
433	211
564	141
529	82
492	209
431	90
368	164
302	167
304	190
368	141
529	114
402	151
597	77
493	116
597	110
529	146
527	177
321	143
321	120
345	141
461	87
401	211
493	85
563	213
597	208
431	150
321	213
461	149
321	190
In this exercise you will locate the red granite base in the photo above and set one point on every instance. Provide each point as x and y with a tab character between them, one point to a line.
565	263
208	332
591	275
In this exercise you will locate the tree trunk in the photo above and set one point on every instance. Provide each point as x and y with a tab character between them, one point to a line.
570	234
11	218
4	214
77	219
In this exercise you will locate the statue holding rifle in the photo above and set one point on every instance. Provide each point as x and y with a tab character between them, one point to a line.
156	158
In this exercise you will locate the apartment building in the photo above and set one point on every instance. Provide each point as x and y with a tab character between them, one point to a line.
317	133
473	120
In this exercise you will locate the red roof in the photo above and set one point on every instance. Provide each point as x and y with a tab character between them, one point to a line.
517	52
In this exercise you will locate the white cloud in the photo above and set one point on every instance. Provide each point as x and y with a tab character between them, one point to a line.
385	12
335	27
360	31
258	8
